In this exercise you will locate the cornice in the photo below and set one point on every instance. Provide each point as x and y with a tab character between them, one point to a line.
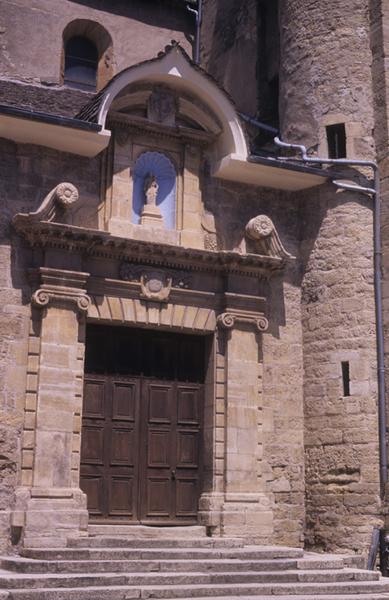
100	244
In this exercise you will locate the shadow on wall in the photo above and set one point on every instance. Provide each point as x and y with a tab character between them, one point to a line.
147	11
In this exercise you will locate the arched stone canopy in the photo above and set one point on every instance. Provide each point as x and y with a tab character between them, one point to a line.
175	70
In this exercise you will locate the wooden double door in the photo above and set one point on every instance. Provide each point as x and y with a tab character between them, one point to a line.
141	449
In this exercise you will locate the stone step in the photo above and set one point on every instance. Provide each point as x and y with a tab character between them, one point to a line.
15	580
114	553
133	542
25	565
147	532
378	590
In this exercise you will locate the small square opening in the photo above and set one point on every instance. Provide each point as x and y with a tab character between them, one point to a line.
336	140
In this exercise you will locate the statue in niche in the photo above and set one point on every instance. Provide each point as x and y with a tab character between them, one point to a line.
162	106
151	188
151	214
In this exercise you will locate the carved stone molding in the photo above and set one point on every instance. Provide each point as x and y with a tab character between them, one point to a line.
60	287
155	284
229	320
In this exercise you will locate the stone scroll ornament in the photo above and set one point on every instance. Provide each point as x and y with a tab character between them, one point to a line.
43	297
228	320
264	238
59	200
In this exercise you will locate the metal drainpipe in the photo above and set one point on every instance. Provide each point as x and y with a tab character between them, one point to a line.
198	12
375	192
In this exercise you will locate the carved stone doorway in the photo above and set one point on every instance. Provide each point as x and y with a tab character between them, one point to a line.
141	443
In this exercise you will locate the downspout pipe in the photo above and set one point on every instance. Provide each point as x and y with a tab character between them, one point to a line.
258	124
375	193
198	12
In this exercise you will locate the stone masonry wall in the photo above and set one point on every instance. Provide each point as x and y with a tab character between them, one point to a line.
325	71
341	432
229	48
27	174
31	45
326	79
37	58
282	415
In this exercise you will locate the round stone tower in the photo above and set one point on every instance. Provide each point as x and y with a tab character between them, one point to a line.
326	103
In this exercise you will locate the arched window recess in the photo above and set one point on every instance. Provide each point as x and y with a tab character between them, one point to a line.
81	61
87	55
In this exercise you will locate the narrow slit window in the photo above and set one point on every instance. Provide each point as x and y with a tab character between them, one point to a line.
336	140
346	378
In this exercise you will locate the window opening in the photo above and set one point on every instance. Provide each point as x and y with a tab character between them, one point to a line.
336	139
81	59
346	378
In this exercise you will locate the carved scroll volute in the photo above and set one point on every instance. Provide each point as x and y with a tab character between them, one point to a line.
229	320
264	239
42	298
61	198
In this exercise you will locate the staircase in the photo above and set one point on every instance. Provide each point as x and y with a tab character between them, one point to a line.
122	563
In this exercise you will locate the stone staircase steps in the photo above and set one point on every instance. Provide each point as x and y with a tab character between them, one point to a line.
142	532
17	580
23	565
121	568
338	591
130	542
159	554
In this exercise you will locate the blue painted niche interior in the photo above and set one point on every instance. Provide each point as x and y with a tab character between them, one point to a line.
162	168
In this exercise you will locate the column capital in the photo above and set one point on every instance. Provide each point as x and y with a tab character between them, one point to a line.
60	287
228	320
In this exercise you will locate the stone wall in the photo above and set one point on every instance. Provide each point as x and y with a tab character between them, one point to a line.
341	431
38	58
37	62
281	423
27	174
325	71
229	48
326	79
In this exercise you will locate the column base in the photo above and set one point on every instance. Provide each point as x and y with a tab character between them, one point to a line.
48	517
247	516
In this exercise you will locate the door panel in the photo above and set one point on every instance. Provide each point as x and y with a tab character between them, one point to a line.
170	470
140	451
109	447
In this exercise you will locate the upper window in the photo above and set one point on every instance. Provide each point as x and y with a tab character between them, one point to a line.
81	60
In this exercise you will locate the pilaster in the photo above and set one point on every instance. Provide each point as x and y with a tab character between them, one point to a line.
50	505
246	509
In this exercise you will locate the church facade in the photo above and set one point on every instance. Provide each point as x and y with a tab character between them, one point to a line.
189	318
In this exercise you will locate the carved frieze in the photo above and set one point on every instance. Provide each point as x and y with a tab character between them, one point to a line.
155	284
162	106
210	236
